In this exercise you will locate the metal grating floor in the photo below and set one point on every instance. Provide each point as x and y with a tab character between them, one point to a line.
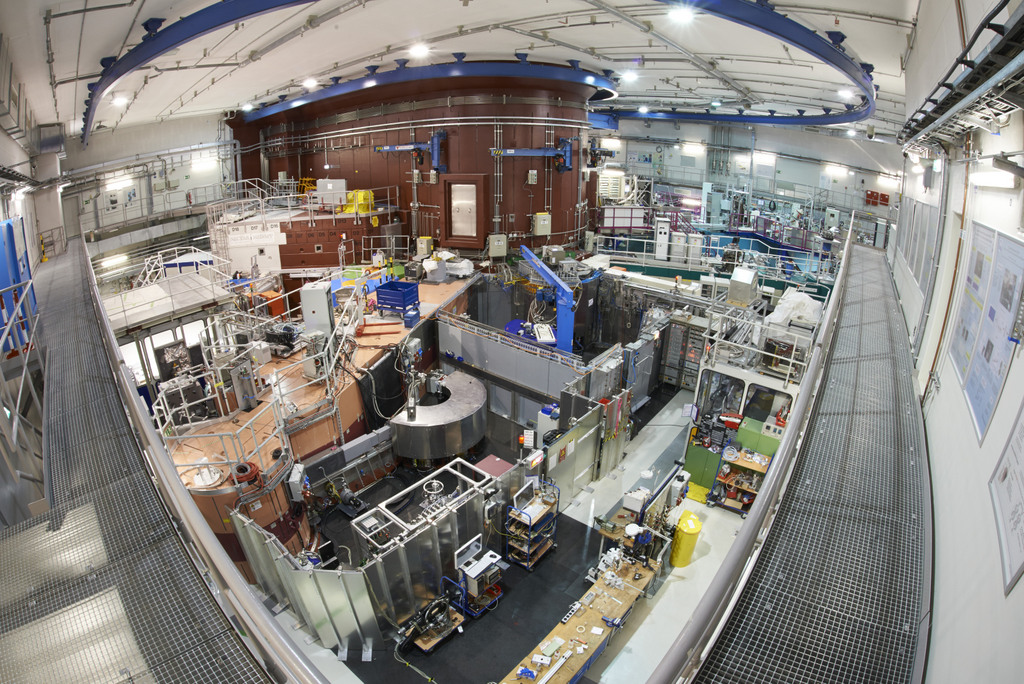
100	589
837	593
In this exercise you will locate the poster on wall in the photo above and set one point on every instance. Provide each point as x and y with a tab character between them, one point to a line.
993	348
972	298
1006	486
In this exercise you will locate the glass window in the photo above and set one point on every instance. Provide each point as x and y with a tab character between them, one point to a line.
719	393
763	402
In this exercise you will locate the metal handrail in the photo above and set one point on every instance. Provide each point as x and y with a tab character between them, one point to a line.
685	655
281	657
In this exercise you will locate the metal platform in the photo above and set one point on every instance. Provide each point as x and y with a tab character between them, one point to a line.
842	585
100	589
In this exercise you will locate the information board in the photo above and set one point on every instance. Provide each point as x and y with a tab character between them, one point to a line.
993	348
972	298
1007	489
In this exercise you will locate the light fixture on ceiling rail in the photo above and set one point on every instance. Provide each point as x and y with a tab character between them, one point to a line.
419	50
247	107
681	14
309	83
716	103
643	109
629	76
118	100
851	133
846	94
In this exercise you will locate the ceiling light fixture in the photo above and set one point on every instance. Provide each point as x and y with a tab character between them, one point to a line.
309	83
629	76
119	100
846	94
419	50
716	103
851	133
681	14
643	109
247	107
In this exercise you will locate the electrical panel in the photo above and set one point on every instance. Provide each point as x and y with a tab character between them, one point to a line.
542	223
433	176
417	177
317	311
531	177
424	246
497	246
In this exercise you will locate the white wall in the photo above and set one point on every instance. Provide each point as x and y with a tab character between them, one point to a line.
975	629
132	141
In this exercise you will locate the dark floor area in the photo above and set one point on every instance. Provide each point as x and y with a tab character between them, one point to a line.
496	642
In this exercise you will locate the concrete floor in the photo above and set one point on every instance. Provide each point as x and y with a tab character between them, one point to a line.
635	651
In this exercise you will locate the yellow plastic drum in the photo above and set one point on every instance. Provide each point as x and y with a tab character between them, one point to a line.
685	539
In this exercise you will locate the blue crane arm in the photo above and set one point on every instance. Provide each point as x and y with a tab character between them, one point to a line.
565	316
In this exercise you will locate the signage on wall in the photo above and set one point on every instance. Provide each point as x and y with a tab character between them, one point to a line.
1006	486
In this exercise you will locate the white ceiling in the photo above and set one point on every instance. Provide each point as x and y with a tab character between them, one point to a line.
216	72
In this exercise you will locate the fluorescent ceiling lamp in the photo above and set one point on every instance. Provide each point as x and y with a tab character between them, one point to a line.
611	143
693	148
613	172
419	50
851	132
716	103
917	168
247	107
118	100
309	83
117	184
681	14
835	170
764	157
114	260
691	202
992	179
846	94
629	76
643	109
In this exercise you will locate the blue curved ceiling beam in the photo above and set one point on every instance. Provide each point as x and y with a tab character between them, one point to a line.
766	119
761	16
216	16
458	69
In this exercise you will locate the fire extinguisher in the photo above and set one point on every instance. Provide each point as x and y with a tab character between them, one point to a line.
188	197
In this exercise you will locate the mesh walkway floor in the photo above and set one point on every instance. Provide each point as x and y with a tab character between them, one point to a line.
839	589
100	589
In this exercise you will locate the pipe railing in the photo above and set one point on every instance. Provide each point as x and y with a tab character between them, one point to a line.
686	654
281	657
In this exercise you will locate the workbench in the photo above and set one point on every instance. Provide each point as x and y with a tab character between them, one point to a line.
608	602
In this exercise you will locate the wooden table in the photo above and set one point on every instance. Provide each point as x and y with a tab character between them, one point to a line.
609	603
